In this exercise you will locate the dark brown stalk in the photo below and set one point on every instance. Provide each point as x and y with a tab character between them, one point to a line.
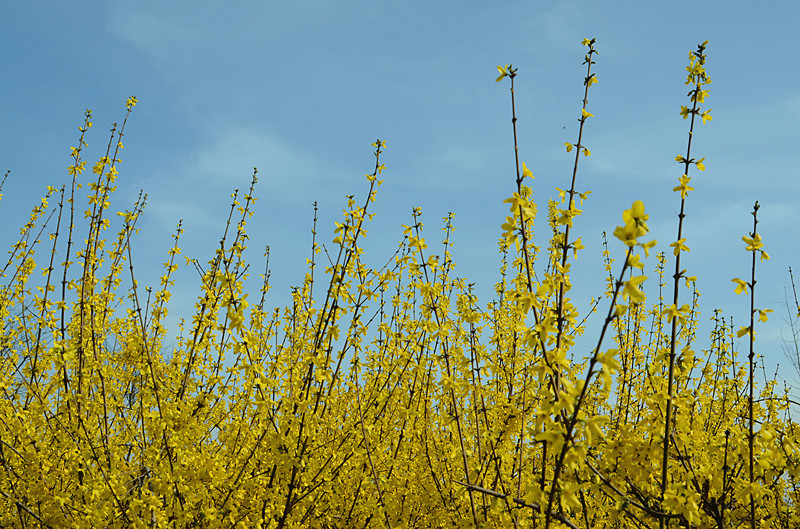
450	374
687	161
369	454
77	168
569	424
578	148
512	73
47	287
751	361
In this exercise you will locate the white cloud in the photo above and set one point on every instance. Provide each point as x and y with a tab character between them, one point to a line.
459	166
233	153
194	184
152	32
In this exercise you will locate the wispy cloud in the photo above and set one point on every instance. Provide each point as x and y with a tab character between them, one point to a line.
458	165
153	32
226	162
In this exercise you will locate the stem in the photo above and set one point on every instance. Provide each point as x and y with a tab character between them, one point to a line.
699	80
751	358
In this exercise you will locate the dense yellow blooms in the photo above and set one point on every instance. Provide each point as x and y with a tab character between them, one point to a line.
380	397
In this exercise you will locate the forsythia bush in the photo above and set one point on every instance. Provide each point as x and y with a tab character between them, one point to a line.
381	397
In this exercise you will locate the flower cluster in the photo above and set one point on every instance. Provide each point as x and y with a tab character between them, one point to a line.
381	395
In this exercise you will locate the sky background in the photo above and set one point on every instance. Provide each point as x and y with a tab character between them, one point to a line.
300	89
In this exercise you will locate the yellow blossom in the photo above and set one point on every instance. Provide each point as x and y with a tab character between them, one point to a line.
679	246
741	286
754	243
673	312
635	224
577	246
634	262
632	289
503	72
699	164
526	172
684	187
646	247
593	430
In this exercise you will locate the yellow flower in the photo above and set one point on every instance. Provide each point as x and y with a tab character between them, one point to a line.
608	359
684	187
509	228
762	314
634	262
503	72
637	211
632	289
635	225
699	164
526	172
754	243
593	430
700	96
516	202
569	499
77	169
679	246
131	102
414	242
688	279
586	114
706	116
554	439
741	286
545	328
569	147
99	167
673	312
646	247
577	245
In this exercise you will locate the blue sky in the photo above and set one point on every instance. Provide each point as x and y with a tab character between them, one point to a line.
300	90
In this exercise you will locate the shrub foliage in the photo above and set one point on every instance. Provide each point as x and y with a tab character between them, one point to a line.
381	396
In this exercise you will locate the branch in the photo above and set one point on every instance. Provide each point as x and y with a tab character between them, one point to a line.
535	506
